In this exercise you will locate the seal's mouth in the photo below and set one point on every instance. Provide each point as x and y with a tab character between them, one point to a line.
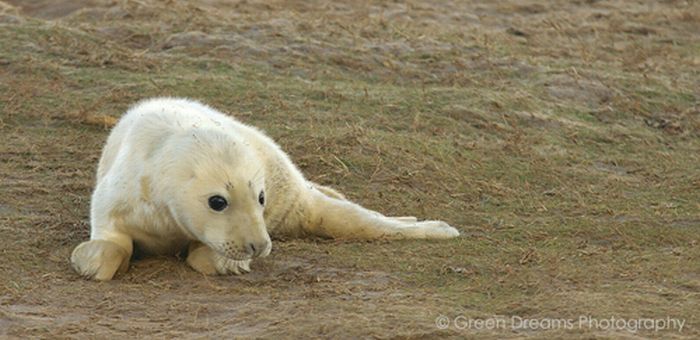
241	257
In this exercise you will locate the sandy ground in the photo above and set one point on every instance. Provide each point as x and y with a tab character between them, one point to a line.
560	137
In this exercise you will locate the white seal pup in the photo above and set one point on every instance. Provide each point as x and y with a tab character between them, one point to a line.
176	174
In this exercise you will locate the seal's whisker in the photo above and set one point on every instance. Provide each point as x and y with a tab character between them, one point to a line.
258	175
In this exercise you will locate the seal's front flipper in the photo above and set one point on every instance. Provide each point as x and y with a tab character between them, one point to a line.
208	262
328	191
100	259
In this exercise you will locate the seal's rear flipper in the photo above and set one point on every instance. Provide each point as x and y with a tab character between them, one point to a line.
334	218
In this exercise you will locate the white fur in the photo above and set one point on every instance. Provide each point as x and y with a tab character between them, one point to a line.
163	161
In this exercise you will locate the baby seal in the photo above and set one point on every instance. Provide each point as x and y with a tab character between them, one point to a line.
178	175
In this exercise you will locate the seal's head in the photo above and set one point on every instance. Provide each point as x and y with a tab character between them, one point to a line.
219	195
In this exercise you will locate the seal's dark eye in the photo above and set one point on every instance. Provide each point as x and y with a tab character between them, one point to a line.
217	203
261	198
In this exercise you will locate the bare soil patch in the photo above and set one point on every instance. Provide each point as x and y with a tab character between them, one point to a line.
560	137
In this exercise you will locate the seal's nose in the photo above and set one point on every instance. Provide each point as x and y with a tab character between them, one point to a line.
250	249
256	249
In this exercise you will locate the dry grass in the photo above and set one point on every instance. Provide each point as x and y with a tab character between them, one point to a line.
561	137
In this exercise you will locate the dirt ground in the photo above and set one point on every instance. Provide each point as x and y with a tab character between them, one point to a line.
560	137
